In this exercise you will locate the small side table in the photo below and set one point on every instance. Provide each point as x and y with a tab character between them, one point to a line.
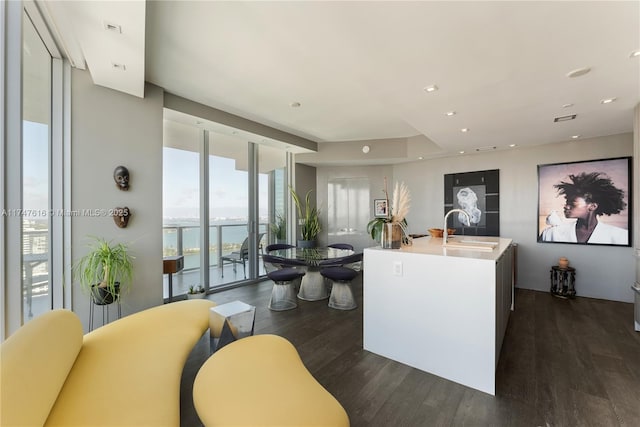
563	282
230	322
170	265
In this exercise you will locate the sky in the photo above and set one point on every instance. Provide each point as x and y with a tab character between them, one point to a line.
35	165
228	192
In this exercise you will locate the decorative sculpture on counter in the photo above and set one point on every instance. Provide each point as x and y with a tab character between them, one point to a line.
121	216
121	177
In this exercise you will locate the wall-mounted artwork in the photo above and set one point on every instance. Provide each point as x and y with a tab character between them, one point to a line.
585	202
121	177
478	194
380	208
121	216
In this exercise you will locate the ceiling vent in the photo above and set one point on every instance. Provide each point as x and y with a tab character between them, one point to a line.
564	118
485	148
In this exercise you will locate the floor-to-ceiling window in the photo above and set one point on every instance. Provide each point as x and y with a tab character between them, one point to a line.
229	183
36	137
228	208
273	192
33	154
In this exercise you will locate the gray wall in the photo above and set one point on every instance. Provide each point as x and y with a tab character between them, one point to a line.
110	128
602	272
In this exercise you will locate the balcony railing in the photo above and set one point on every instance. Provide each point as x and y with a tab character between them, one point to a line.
185	241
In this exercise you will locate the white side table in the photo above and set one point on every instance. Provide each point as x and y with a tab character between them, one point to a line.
230	322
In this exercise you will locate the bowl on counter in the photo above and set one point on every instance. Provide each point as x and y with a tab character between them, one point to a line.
438	232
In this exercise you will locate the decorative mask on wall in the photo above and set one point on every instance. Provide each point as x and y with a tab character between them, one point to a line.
121	216
121	177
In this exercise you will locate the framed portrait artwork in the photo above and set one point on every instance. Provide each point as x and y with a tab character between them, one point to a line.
478	194
586	202
380	208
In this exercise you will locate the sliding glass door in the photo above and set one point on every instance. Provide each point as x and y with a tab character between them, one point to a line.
224	201
228	208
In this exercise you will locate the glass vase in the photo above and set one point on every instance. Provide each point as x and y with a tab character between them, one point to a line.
391	237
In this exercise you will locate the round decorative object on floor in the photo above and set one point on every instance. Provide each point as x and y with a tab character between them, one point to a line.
563	263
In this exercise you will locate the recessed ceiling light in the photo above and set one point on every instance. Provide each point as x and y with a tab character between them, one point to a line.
294	104
420	158
575	136
608	101
578	72
513	145
464	130
431	88
567	105
366	149
461	152
450	113
634	54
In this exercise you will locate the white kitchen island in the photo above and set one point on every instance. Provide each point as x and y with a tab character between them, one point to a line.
441	310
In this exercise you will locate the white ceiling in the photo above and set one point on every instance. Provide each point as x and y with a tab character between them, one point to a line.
358	69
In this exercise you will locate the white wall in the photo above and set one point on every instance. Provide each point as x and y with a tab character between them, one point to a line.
602	272
110	128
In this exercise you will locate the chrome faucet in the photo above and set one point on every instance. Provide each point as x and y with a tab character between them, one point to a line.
445	235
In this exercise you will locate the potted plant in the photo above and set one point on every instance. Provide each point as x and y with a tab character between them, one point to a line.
391	230
105	271
279	228
196	292
308	218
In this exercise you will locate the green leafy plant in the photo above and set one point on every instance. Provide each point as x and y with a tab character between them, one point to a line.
307	215
279	228
106	265
395	214
196	289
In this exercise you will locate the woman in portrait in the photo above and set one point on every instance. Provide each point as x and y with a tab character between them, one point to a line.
588	197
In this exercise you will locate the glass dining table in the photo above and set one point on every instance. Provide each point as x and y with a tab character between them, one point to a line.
312	286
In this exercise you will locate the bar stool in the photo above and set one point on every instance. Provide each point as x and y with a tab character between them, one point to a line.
283	295
341	297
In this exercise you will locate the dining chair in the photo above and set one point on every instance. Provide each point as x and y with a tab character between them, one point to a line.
341	297
272	263
276	246
341	246
283	294
353	261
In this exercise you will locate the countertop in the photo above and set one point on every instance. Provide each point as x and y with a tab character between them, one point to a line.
433	246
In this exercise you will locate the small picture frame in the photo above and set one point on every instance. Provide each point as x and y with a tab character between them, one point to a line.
380	208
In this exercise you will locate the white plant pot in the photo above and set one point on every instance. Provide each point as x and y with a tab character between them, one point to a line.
196	296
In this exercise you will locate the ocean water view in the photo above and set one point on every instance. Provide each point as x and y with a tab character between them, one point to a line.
226	233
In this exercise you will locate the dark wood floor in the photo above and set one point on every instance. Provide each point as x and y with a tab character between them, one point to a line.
563	363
